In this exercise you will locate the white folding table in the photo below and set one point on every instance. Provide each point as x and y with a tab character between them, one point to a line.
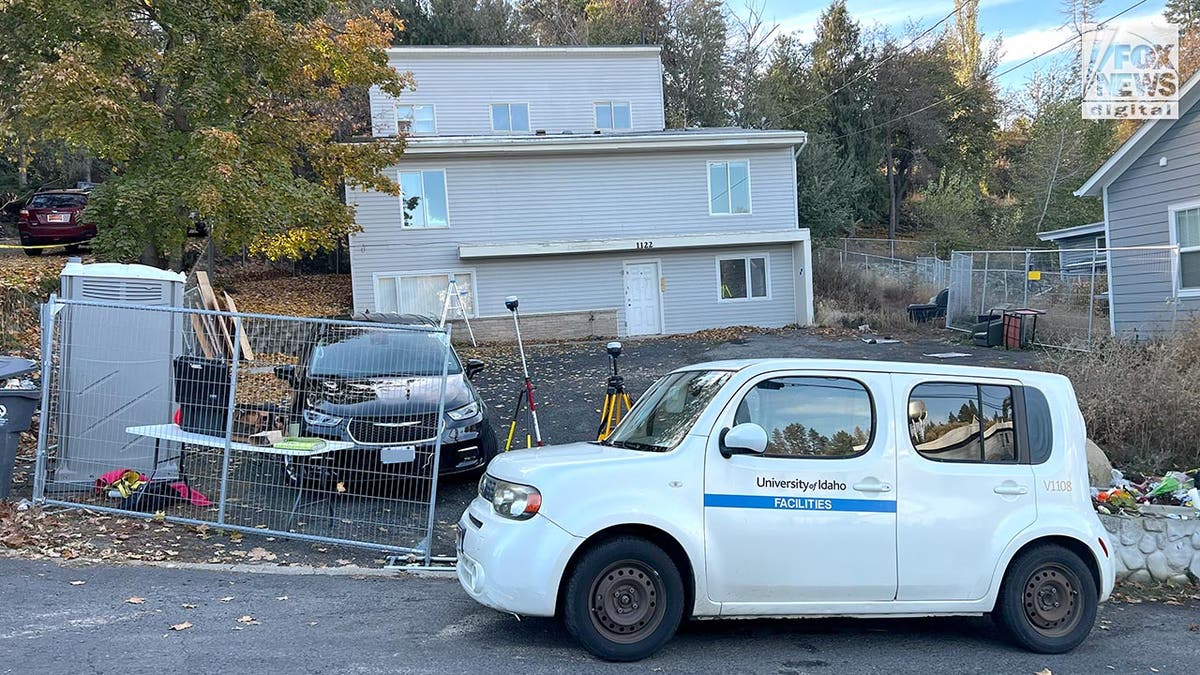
172	433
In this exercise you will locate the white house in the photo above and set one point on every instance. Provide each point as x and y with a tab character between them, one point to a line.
548	173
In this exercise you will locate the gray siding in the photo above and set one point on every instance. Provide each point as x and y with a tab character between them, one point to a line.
559	86
1077	253
1137	215
563	198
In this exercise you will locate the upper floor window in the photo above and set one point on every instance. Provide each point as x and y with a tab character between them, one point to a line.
613	115
810	416
417	119
743	278
510	117
728	187
962	422
1185	231
423	199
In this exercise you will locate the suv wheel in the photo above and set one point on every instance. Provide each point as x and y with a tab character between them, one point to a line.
624	599
33	252
1048	600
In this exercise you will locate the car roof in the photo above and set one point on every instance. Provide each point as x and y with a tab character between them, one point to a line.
870	366
61	191
394	318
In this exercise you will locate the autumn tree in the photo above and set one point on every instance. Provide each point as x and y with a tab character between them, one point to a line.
227	111
459	22
693	63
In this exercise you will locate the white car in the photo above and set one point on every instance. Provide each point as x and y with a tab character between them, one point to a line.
802	488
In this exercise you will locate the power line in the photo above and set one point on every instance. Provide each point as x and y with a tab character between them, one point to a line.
996	76
873	68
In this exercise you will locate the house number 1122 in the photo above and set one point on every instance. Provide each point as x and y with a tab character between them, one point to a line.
645	244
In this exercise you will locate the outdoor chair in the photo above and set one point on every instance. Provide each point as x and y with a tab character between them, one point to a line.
935	308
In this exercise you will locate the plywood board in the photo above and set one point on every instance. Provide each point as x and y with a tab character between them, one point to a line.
247	351
202	336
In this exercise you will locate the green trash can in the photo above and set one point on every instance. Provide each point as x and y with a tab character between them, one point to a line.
16	413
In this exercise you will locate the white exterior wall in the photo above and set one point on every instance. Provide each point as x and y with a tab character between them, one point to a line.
559	84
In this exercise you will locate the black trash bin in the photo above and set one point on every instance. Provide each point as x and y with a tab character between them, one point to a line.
16	412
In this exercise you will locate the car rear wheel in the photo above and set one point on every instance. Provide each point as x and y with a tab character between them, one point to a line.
624	599
33	252
1048	600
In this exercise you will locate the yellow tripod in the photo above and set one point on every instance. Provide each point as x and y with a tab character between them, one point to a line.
616	402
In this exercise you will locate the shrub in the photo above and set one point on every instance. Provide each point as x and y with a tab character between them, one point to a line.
847	296
1140	401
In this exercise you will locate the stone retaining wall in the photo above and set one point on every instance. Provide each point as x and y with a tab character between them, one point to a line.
1155	548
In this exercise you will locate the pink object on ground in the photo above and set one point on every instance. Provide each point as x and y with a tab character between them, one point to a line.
113	476
196	497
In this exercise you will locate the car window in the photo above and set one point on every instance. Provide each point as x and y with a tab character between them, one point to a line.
959	422
666	413
383	352
1038	424
57	201
810	416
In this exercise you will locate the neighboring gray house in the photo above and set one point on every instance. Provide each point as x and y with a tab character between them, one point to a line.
547	173
1151	193
1080	248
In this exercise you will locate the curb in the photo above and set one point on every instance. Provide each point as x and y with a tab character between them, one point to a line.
303	570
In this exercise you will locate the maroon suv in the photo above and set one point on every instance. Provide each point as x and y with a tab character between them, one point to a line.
53	217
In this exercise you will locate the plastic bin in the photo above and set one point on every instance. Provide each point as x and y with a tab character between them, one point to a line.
16	413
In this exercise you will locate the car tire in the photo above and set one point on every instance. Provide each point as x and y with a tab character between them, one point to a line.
1048	600
33	252
624	599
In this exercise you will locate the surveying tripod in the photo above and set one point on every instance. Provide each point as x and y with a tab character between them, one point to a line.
616	402
525	394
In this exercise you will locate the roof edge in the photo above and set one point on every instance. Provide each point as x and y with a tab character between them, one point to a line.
600	142
1073	231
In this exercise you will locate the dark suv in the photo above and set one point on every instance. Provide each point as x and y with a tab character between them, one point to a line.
53	217
379	389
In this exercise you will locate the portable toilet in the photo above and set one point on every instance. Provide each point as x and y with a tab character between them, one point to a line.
114	369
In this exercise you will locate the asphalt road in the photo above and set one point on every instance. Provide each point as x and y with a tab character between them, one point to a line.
311	624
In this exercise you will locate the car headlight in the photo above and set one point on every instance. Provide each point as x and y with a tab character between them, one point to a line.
516	501
320	419
464	413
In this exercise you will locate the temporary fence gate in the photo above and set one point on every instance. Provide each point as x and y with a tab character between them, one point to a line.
1070	286
235	386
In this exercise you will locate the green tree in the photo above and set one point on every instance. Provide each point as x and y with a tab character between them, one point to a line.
229	110
625	22
459	22
555	22
828	187
693	58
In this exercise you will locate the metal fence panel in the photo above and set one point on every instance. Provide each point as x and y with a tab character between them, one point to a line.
183	412
924	271
1073	297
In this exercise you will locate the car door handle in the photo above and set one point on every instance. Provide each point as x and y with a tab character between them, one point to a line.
1010	488
872	485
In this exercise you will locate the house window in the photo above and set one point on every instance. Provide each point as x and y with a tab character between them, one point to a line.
953	422
423	199
1186	233
613	115
510	117
423	293
417	119
743	278
728	188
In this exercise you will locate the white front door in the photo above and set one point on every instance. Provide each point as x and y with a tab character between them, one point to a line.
966	488
813	519
643	309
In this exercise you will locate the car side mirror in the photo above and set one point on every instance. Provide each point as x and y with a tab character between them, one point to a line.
743	439
287	373
474	366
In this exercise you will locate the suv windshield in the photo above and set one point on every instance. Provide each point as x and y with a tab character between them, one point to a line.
59	201
666	413
384	352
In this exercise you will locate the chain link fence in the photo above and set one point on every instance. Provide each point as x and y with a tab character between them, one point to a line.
921	270
1068	286
322	430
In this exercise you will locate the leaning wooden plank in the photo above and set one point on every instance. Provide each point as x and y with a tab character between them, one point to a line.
202	336
209	297
247	351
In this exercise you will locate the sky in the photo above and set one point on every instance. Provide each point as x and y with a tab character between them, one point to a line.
1027	27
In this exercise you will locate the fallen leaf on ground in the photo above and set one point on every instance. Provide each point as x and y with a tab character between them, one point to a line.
1044	671
247	619
227	598
188	605
281	597
181	626
260	553
78	583
135	600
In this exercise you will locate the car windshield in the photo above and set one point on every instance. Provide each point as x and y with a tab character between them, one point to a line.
668	411
384	352
57	201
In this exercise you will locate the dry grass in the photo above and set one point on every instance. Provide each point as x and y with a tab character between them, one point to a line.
849	296
1140	401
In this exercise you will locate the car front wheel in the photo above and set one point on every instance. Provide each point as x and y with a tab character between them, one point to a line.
624	599
1048	600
